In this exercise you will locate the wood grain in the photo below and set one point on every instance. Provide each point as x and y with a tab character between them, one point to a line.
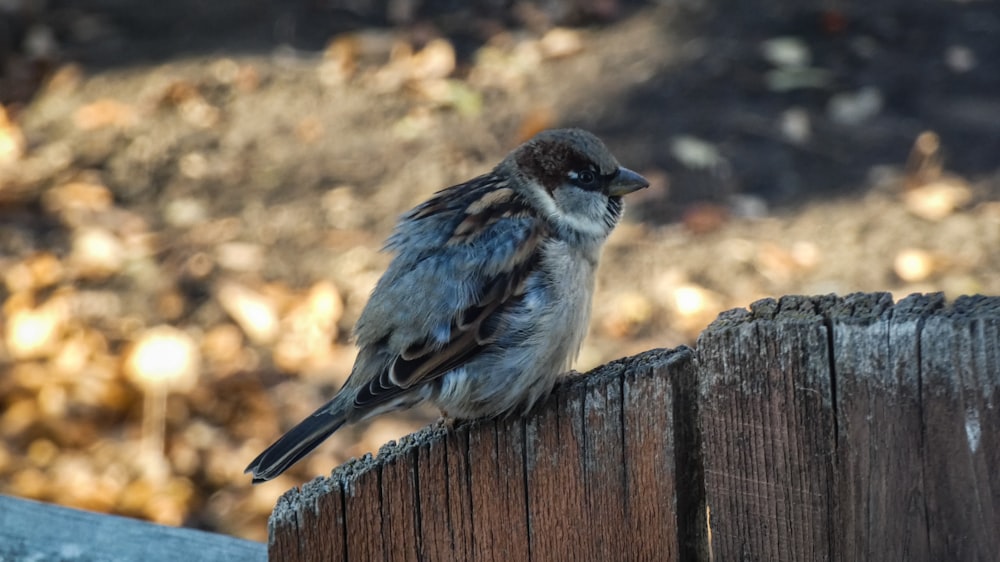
880	481
960	398
768	432
589	475
853	429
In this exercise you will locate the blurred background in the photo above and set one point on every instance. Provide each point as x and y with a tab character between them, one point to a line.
193	198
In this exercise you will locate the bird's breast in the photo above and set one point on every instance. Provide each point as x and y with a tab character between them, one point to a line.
570	278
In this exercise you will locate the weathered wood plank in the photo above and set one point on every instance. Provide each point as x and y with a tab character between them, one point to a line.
35	531
653	492
437	540
894	459
605	482
587	476
399	485
960	379
557	522
768	432
363	517
499	497
880	481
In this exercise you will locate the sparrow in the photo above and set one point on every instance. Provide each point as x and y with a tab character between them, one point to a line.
487	299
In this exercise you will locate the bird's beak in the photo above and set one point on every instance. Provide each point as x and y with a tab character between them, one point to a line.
626	181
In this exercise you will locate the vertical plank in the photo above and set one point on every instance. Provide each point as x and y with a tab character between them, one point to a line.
880	485
459	494
398	496
367	539
960	365
285	529
651	492
499	501
767	424
437	539
309	522
557	512
605	476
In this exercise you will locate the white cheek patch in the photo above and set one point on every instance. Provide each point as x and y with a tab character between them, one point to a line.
583	211
584	226
589	227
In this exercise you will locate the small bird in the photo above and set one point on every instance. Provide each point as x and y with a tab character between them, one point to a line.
487	299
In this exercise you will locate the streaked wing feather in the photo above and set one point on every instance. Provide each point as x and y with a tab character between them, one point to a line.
426	360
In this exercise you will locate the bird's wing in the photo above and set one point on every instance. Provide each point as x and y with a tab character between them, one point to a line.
497	239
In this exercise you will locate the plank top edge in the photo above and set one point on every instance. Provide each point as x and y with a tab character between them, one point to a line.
857	308
309	494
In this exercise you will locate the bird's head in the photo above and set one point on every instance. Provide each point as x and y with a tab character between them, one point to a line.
574	180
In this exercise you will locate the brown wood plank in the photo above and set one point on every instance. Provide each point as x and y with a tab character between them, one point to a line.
367	537
605	477
499	502
459	494
767	425
309	521
437	541
650	518
557	508
400	513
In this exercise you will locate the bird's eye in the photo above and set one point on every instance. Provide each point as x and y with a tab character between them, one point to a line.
584	178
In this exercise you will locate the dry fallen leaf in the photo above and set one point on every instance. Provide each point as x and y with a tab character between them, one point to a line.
435	60
97	253
255	313
105	113
11	139
339	61
309	329
702	218
534	121
694	307
914	265
222	344
164	356
925	163
937	200
560	42
33	333
628	313
83	196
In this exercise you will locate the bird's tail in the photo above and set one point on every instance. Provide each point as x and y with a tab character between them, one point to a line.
297	443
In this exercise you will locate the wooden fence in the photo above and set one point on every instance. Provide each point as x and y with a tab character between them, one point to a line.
804	429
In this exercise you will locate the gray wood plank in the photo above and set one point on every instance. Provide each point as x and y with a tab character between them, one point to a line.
880	482
33	531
